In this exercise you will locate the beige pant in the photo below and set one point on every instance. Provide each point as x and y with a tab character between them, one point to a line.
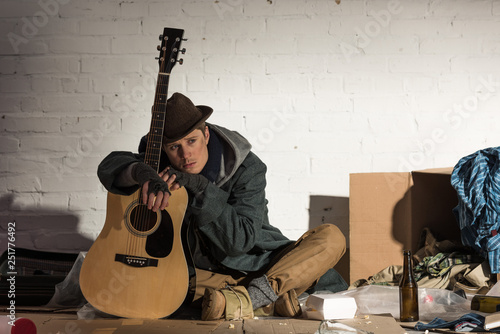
299	266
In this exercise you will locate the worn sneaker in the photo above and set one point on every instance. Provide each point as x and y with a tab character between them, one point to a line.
213	305
288	305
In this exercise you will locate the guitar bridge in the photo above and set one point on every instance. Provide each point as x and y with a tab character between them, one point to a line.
136	261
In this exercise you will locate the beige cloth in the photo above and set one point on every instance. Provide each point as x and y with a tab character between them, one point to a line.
430	246
238	303
390	276
299	266
474	276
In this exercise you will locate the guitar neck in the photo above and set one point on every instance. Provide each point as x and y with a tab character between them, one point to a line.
159	110
169	49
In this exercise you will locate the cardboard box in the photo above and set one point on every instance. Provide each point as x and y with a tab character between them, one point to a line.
387	212
330	307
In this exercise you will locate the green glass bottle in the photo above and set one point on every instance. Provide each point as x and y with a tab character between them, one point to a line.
487	304
408	291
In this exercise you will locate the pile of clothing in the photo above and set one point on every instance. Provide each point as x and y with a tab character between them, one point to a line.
441	265
476	178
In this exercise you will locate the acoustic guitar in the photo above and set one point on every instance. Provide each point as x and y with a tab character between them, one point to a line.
140	265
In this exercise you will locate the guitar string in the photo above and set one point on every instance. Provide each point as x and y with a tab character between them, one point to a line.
144	212
141	211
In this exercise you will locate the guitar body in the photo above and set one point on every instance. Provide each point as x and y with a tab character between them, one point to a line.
140	265
138	270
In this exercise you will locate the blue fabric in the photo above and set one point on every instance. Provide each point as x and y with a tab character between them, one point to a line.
476	178
470	322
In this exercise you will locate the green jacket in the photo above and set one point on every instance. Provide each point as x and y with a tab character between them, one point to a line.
232	217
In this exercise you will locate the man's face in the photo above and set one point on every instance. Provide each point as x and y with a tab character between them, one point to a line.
189	154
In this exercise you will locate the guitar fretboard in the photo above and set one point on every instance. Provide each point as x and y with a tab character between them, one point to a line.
169	49
155	135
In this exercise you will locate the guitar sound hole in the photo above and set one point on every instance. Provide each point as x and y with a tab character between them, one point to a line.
142	219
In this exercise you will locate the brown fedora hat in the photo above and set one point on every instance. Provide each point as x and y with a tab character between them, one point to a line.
183	117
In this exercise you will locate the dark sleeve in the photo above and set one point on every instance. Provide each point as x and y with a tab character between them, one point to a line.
232	219
114	164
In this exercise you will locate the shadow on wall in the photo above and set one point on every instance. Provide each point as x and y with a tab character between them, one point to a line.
332	210
40	229
401	220
428	203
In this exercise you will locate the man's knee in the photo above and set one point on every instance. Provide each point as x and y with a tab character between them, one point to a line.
334	238
333	234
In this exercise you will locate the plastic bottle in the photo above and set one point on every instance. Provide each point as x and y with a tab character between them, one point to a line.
487	304
408	291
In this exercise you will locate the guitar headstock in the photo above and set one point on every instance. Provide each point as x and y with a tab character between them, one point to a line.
169	49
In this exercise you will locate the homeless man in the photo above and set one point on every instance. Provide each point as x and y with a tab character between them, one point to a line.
242	262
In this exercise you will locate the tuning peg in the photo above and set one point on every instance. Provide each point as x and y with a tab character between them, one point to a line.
180	61
183	50
184	39
158	47
160	37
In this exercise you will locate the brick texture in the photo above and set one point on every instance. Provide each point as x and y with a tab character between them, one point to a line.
321	89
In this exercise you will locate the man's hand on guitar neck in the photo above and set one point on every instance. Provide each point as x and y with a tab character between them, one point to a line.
155	190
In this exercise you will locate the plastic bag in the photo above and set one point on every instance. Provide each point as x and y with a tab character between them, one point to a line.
377	299
68	293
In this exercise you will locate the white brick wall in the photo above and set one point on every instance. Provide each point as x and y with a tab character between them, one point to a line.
321	89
